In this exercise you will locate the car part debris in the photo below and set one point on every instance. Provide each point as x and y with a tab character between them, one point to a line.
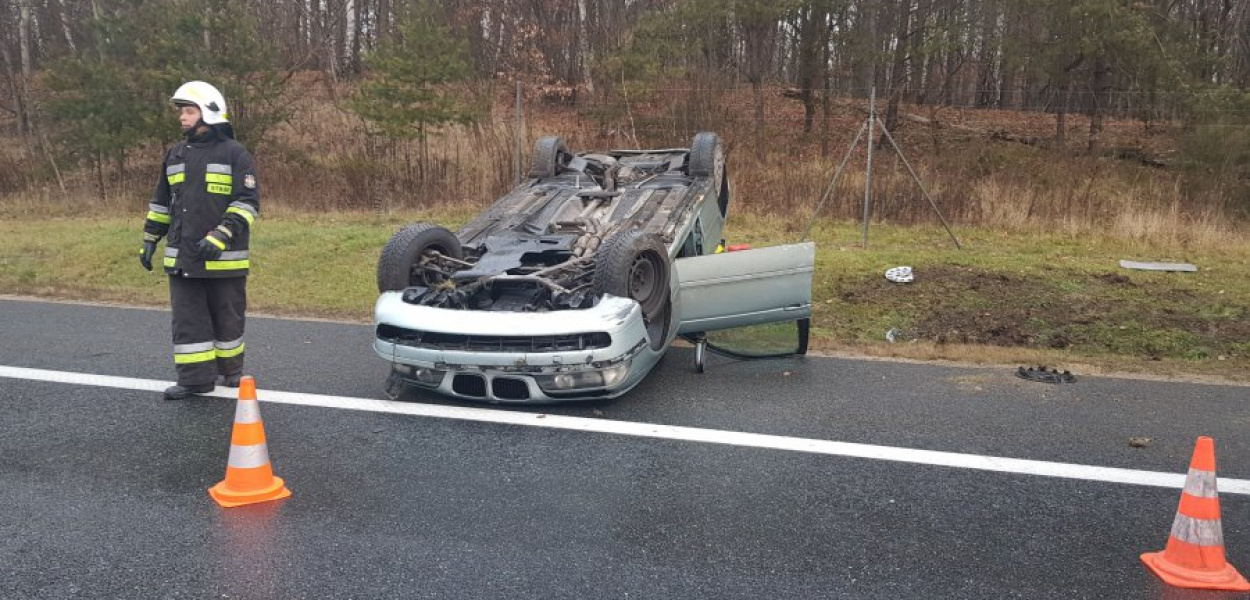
900	275
895	335
1158	266
1044	375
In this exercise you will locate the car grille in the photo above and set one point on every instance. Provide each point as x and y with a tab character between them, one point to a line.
507	388
493	343
469	385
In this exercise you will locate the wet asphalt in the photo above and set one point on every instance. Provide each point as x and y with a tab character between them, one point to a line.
103	490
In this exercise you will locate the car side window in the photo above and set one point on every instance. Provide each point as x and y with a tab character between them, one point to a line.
693	246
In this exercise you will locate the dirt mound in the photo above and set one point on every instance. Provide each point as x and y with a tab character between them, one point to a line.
1106	312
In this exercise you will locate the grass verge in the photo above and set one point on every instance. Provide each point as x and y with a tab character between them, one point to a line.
1006	298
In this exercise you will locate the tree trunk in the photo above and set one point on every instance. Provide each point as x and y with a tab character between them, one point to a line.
915	62
950	79
316	33
898	74
353	64
69	38
15	87
384	20
986	94
340	21
812	38
758	87
1101	103
867	77
25	108
1061	116
23	33
1009	61
585	53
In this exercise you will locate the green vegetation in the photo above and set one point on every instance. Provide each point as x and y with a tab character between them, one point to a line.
404	97
112	96
1006	298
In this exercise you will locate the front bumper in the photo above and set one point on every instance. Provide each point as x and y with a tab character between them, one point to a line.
599	352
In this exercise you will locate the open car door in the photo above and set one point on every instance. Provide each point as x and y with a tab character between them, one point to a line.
745	288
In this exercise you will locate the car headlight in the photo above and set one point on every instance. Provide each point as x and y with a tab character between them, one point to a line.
576	380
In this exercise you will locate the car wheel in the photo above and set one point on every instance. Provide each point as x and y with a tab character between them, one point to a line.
634	264
404	260
549	153
707	158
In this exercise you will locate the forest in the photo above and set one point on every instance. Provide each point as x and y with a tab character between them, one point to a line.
1013	109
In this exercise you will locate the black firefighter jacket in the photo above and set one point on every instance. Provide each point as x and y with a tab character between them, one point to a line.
206	183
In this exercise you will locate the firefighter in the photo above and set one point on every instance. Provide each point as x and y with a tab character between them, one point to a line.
205	202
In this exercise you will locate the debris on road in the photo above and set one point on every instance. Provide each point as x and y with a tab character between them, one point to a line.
1139	442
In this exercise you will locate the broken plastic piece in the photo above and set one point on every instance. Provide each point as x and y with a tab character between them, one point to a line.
900	275
1045	376
1158	266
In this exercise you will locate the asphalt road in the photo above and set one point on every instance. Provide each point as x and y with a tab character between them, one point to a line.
103	490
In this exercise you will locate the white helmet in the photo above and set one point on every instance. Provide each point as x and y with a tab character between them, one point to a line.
210	101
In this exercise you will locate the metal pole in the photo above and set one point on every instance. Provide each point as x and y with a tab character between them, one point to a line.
920	185
832	183
518	132
872	123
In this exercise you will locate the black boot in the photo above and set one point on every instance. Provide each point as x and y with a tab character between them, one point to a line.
231	381
180	392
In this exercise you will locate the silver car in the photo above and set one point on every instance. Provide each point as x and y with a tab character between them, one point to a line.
574	284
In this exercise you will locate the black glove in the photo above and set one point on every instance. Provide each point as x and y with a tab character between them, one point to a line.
145	255
216	242
208	250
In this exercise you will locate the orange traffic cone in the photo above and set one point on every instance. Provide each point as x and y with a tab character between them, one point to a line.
249	477
1194	557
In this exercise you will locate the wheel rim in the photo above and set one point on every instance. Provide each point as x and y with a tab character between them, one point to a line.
645	286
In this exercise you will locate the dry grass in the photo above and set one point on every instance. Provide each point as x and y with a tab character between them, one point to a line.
325	160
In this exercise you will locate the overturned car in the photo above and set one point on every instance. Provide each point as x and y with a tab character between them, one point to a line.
574	284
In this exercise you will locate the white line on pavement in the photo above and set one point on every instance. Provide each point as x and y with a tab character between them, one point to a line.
668	432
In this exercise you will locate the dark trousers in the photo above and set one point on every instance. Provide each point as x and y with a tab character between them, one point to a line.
207	327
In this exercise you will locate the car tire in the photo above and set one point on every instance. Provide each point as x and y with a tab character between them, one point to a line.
397	265
707	158
634	264
549	153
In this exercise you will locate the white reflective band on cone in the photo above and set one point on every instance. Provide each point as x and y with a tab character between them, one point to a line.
1199	532
248	457
248	411
1200	484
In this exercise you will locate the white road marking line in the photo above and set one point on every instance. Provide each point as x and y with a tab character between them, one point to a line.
668	432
